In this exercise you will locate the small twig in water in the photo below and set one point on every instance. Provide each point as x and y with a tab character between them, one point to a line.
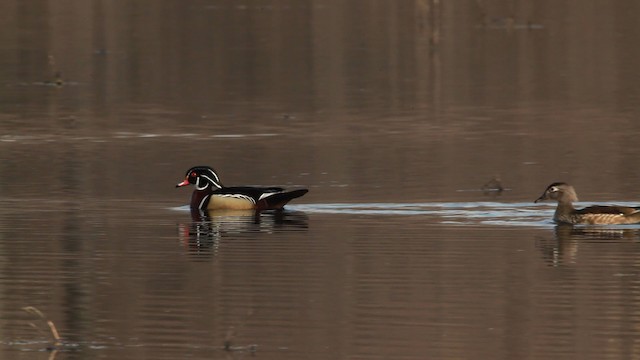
57	342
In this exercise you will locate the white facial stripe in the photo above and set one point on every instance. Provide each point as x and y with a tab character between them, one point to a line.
214	175
198	184
215	183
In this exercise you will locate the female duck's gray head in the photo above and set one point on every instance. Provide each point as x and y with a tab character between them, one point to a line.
202	177
562	192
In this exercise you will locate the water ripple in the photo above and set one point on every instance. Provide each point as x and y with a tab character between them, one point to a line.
462	213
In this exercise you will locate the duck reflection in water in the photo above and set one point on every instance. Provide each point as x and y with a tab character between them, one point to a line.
563	248
207	230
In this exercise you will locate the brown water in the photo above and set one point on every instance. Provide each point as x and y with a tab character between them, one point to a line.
393	114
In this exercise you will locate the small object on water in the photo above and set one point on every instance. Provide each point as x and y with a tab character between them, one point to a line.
252	348
597	214
57	80
493	185
210	194
57	77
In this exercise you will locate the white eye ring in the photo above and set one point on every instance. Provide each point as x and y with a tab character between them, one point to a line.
553	189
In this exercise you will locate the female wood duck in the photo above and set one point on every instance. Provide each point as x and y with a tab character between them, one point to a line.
210	194
601	215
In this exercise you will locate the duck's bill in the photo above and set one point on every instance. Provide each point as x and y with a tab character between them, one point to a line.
184	183
541	198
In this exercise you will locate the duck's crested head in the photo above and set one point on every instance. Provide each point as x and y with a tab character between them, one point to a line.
202	177
560	191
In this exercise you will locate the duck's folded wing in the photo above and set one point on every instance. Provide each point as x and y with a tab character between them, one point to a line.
615	210
256	193
277	200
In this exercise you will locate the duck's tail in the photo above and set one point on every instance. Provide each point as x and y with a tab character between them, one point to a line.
278	200
634	218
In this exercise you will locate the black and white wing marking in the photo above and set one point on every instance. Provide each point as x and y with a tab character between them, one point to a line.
253	194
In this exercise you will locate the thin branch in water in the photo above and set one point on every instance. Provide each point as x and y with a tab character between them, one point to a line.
52	327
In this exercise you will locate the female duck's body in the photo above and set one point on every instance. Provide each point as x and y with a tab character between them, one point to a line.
594	215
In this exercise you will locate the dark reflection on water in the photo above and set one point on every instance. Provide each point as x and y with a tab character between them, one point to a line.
206	232
564	248
397	115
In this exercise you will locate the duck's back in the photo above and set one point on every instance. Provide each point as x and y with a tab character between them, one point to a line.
606	215
601	209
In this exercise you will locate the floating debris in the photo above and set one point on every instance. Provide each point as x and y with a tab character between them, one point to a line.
493	186
57	341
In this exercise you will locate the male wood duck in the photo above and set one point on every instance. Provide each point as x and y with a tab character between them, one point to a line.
210	194
597	214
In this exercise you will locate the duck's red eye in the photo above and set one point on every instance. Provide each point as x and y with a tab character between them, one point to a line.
193	174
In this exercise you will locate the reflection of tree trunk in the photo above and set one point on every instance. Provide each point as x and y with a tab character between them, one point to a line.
428	15
435	21
429	23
